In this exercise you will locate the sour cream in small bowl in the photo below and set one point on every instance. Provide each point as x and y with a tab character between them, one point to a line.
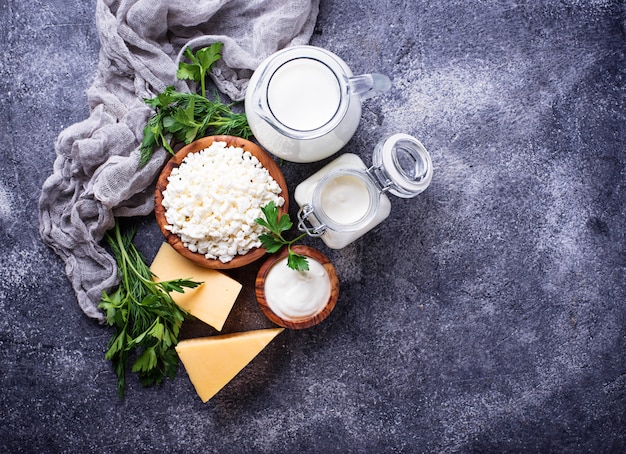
297	299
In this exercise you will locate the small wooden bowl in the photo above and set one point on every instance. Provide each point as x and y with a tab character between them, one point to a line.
307	322
173	239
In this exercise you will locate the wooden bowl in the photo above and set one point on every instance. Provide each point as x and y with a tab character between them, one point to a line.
312	320
173	239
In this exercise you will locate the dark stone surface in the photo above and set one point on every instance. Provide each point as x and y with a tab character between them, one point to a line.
486	315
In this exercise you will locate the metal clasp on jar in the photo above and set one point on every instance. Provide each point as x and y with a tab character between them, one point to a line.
307	214
379	178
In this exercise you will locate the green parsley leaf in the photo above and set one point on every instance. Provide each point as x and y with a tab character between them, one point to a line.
274	240
297	262
185	117
200	64
271	243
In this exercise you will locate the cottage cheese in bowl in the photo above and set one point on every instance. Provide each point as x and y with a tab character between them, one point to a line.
208	200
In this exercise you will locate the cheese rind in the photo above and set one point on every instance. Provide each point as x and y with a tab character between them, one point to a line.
210	302
212	362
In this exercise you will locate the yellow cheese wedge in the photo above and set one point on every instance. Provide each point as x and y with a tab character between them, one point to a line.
212	362
210	302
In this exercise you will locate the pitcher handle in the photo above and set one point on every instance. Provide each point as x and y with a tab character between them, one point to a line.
369	85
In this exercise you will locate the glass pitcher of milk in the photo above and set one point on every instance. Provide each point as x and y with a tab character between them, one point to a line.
345	199
303	103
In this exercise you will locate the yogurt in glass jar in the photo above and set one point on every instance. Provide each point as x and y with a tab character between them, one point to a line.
345	199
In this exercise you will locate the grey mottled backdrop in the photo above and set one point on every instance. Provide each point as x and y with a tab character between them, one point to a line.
486	315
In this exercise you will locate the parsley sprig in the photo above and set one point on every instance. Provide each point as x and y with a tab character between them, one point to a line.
201	63
275	240
185	117
146	319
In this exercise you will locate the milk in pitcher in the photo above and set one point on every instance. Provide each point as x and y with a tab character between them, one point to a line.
303	103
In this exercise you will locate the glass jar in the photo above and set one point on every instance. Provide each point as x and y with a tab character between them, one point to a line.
346	199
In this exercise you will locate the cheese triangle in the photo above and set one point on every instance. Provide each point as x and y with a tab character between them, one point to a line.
210	302
212	362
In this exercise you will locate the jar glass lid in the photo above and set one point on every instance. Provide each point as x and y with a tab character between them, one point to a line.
402	165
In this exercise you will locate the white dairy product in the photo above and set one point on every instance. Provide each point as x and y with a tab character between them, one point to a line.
303	94
294	295
213	198
338	210
336	239
299	105
345	199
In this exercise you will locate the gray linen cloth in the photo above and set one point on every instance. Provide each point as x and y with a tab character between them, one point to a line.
96	175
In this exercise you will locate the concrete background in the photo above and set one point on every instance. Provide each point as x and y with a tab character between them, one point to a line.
486	315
